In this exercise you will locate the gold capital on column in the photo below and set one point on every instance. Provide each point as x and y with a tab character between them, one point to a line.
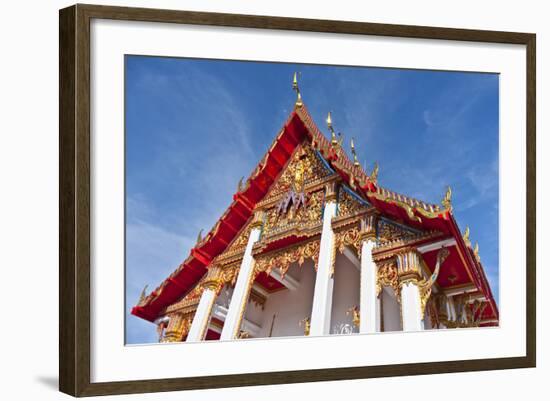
177	329
368	227
214	279
331	192
408	266
258	219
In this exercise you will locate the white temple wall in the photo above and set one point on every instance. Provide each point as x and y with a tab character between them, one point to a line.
290	306
254	313
345	294
225	296
391	311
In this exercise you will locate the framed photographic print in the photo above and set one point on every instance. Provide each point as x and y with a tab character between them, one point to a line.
279	200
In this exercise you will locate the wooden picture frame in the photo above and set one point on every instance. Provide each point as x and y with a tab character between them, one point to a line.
74	204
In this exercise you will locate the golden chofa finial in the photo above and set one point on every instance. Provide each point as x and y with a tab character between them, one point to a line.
199	237
142	296
476	251
240	185
374	175
296	88
333	139
355	161
466	236
446	202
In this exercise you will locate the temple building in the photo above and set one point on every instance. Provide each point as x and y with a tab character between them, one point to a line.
312	245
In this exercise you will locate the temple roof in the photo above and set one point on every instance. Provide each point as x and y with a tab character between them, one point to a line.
300	126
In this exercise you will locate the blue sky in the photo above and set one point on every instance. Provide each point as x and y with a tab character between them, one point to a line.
194	127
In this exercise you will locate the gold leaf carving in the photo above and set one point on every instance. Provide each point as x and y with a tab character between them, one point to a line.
282	259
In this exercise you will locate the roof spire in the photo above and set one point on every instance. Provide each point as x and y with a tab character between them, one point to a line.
446	202
199	237
476	252
296	88
333	140
355	161
466	236
374	175
142	296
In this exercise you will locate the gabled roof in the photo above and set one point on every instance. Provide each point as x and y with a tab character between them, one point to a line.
298	127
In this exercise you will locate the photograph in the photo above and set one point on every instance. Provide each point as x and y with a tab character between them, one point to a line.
269	199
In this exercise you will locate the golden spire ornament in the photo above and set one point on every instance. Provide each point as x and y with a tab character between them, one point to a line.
446	202
374	175
466	236
199	237
333	140
355	161
476	251
142	296
240	185
296	88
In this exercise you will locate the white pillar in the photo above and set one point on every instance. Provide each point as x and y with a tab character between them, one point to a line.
237	305
411	310
324	281
204	310
369	303
451	311
202	316
409	271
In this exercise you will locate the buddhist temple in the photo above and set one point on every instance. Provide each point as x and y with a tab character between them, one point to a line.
313	245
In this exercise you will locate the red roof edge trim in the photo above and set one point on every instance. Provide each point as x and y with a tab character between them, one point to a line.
476	270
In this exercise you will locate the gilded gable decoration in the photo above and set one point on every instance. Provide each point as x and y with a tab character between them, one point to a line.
282	259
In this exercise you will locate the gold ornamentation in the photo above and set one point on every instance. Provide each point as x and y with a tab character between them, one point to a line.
408	264
282	259
214	279
348	205
469	314
306	322
368	227
387	277
356	318
301	219
331	192
305	160
295	88
355	161
374	174
425	286
476	252
177	328
390	232
258	219
466	236
351	237
199	237
229	272
142	296
240	185
446	202
240	242
334	141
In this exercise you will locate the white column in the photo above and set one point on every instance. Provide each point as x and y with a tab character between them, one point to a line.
369	302
451	311
409	271
324	282
410	307
242	288
202	315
